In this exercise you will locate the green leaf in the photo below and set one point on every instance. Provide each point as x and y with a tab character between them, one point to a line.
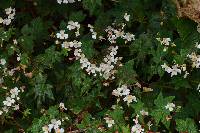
126	73
91	5
87	48
161	102
185	27
53	112
117	115
26	42
37	29
48	59
41	90
78	16
187	125
160	113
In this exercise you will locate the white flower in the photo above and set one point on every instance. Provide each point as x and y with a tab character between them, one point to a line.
197	45
54	125
1	112
198	87
129	99
1	20
14	92
129	37
167	69
91	27
60	130
175	70
170	106
165	41
10	15
126	17
11	72
45	129
66	1
186	74
125	91
73	25
59	1
198	28
50	127
1	80
116	93
7	21
15	41
9	101
8	10
143	112
16	107
113	34
120	91
5	109
18	58
109	121
137	128
62	106
62	35
195	60
77	52
2	61
94	34
149	124
183	67
77	33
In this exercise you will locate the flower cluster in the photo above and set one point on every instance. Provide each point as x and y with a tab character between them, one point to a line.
137	128
170	106
175	69
55	125
66	1
113	34
124	91
74	25
11	100
109	121
12	97
165	42
10	12
195	59
106	69
10	72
